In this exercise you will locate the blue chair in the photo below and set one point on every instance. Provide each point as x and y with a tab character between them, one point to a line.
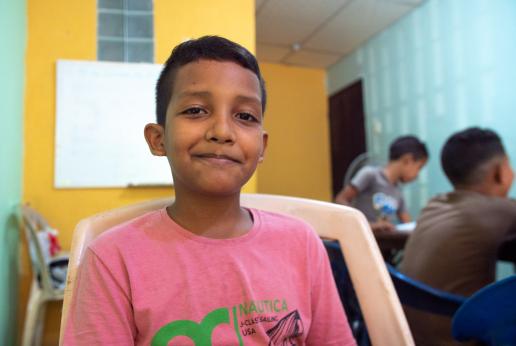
489	315
411	293
420	296
347	293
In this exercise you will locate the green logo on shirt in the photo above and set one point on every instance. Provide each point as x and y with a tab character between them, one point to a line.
200	333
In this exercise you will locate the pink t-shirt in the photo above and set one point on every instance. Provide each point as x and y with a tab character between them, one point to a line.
151	282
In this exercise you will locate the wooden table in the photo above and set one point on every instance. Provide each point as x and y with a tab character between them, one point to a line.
391	241
390	244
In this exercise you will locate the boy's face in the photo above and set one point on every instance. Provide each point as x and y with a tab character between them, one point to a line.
213	137
411	168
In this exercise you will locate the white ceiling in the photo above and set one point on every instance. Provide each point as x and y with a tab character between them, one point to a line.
317	33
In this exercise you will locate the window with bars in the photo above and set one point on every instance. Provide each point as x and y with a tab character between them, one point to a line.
125	30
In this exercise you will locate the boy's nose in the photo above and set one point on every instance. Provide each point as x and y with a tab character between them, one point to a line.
221	130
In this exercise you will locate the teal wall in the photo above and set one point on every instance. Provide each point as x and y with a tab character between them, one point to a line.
12	77
447	65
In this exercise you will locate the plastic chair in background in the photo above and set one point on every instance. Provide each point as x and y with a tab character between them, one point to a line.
358	163
379	303
489	315
48	273
420	296
410	292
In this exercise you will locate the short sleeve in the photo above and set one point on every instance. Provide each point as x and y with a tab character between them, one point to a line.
402	207
363	178
329	325
100	311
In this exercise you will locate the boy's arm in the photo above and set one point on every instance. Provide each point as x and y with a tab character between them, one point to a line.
346	195
402	212
360	182
382	226
404	216
100	310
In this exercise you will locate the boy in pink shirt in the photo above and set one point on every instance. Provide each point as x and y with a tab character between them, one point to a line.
204	270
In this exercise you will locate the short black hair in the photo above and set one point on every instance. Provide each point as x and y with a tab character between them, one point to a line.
408	145
465	153
208	48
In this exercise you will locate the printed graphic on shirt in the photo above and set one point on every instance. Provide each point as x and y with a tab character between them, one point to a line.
287	330
385	204
282	326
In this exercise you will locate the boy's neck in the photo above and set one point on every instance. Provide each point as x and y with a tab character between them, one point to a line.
482	188
210	216
392	172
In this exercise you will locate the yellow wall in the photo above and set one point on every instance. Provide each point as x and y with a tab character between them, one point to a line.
63	29
297	161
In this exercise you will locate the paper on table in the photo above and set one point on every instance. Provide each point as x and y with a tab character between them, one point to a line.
406	227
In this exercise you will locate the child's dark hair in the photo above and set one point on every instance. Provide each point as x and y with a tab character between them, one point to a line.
465	153
408	145
208	48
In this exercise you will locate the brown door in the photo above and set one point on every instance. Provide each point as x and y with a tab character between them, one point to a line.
347	131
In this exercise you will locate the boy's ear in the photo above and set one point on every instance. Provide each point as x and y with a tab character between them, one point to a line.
497	173
503	173
155	137
265	138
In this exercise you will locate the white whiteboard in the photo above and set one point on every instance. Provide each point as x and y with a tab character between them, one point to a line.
101	111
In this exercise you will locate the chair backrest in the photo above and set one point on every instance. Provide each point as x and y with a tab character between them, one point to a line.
378	300
420	296
347	292
32	222
411	292
489	315
355	165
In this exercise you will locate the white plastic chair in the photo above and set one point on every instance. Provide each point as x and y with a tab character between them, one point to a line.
358	163
379	303
43	289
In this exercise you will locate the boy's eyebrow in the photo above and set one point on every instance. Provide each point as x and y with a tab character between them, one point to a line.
251	99
206	94
194	93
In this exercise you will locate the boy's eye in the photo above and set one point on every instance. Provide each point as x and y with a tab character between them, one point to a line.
194	111
246	117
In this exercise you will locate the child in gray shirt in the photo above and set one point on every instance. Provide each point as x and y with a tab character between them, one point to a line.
376	190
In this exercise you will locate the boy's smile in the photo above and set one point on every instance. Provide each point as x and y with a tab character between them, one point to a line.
216	159
213	136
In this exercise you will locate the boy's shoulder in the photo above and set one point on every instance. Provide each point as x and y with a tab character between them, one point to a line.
369	171
370	168
367	175
150	227
282	224
472	202
277	217
128	232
